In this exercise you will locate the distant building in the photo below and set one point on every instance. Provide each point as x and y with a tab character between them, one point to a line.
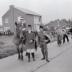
14	13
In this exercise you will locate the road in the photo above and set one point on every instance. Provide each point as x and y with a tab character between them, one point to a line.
60	61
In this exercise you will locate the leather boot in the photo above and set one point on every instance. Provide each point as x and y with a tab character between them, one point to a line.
21	56
28	57
33	56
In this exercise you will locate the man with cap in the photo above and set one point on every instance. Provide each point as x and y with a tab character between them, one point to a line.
43	41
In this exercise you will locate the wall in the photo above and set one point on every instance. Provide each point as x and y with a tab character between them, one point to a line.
10	16
6	16
37	22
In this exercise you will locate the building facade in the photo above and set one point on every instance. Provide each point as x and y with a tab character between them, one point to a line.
14	13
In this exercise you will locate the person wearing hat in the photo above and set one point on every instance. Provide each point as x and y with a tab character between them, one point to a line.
30	43
65	36
20	39
43	41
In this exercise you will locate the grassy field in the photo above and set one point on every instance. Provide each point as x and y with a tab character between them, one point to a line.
7	46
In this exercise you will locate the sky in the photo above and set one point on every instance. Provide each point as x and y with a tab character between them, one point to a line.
49	9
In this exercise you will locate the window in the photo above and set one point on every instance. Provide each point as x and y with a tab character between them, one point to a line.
19	18
36	20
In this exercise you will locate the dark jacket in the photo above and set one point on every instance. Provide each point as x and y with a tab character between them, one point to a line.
30	40
42	38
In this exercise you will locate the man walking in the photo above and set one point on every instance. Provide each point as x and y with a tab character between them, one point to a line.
65	36
43	40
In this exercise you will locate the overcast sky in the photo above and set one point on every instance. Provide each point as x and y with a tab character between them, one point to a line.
49	9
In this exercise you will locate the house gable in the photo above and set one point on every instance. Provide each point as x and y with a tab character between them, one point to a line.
6	14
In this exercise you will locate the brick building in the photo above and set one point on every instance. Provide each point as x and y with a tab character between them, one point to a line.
13	14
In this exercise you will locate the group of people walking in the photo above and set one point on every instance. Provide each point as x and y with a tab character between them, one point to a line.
62	37
28	40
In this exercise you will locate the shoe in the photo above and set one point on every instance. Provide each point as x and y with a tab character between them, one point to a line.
43	58
47	60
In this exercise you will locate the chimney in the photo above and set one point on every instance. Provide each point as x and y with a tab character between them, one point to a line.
11	6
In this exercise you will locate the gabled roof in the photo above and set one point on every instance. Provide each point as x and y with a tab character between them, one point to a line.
28	11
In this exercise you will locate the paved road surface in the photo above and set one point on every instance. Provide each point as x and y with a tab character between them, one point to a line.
61	61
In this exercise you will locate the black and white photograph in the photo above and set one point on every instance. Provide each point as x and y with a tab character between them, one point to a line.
35	35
